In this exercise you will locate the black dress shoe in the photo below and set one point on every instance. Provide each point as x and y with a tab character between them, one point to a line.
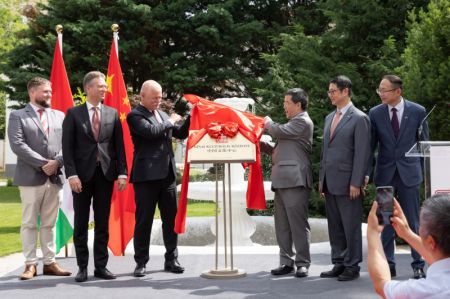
335	272
139	271
419	273
81	275
301	272
173	266
349	274
393	271
282	270
104	273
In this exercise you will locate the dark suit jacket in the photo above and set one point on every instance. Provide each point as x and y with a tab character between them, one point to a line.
391	151
153	153
80	148
345	155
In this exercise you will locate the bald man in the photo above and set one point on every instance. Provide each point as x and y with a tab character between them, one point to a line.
153	174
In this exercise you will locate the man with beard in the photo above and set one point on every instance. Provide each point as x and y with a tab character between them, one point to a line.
35	137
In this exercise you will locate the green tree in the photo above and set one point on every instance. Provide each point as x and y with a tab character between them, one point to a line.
208	47
10	24
426	64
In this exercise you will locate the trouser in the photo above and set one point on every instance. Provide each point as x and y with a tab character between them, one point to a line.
408	198
291	225
98	191
40	201
148	194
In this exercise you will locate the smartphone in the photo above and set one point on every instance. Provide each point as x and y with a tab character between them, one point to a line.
385	200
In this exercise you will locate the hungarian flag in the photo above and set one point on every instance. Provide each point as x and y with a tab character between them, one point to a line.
121	219
62	100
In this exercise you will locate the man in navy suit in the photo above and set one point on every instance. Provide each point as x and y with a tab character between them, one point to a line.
395	124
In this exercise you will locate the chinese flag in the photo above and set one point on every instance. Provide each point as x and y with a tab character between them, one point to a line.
121	219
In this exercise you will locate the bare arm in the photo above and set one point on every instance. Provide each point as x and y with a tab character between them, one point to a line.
377	263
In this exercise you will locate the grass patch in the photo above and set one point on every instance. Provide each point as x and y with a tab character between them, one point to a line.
11	214
10	219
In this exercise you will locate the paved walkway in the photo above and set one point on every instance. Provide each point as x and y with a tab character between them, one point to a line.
255	260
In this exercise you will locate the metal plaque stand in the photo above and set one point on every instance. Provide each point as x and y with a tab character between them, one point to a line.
227	271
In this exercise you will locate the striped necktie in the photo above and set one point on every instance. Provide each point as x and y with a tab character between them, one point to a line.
43	119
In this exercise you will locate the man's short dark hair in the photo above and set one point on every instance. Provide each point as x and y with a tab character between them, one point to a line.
37	81
342	82
395	81
89	77
435	220
298	95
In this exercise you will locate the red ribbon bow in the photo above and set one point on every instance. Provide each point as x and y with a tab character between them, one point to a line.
229	129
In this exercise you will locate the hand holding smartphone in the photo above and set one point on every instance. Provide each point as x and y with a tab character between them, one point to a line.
385	200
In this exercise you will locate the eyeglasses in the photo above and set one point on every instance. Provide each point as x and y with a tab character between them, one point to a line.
379	92
332	91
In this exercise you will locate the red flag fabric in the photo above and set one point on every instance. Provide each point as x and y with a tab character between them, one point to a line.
61	93
206	115
121	219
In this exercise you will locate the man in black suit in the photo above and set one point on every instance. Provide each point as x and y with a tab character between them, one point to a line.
94	157
153	174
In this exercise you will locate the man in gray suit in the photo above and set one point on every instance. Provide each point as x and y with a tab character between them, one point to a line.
292	182
35	134
345	152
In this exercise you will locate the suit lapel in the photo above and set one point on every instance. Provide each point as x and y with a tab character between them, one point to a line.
326	133
86	121
345	118
104	114
35	118
405	119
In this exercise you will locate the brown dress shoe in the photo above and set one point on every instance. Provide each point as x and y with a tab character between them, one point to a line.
29	272
55	269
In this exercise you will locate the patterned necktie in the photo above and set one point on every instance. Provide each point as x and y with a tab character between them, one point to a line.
335	122
43	119
95	123
394	122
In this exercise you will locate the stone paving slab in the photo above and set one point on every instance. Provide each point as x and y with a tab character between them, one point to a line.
255	260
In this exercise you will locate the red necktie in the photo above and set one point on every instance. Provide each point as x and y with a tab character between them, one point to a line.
335	122
43	119
95	123
394	122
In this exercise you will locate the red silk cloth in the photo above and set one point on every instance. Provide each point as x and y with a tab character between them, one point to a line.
213	118
229	129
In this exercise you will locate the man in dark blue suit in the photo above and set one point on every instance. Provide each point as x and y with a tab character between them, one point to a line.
395	124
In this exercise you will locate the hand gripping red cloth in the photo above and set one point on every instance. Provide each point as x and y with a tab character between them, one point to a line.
215	119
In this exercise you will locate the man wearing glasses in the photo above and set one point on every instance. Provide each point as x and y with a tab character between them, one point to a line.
395	124
345	151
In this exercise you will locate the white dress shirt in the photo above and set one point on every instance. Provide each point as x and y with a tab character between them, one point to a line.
400	108
435	286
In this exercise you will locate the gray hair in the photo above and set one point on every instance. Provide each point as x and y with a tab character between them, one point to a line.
435	220
89	77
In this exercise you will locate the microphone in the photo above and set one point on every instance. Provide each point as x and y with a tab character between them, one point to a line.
420	129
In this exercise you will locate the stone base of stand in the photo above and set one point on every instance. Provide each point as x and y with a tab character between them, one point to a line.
224	273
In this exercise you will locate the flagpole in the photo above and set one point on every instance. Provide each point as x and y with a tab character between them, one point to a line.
115	30
59	30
